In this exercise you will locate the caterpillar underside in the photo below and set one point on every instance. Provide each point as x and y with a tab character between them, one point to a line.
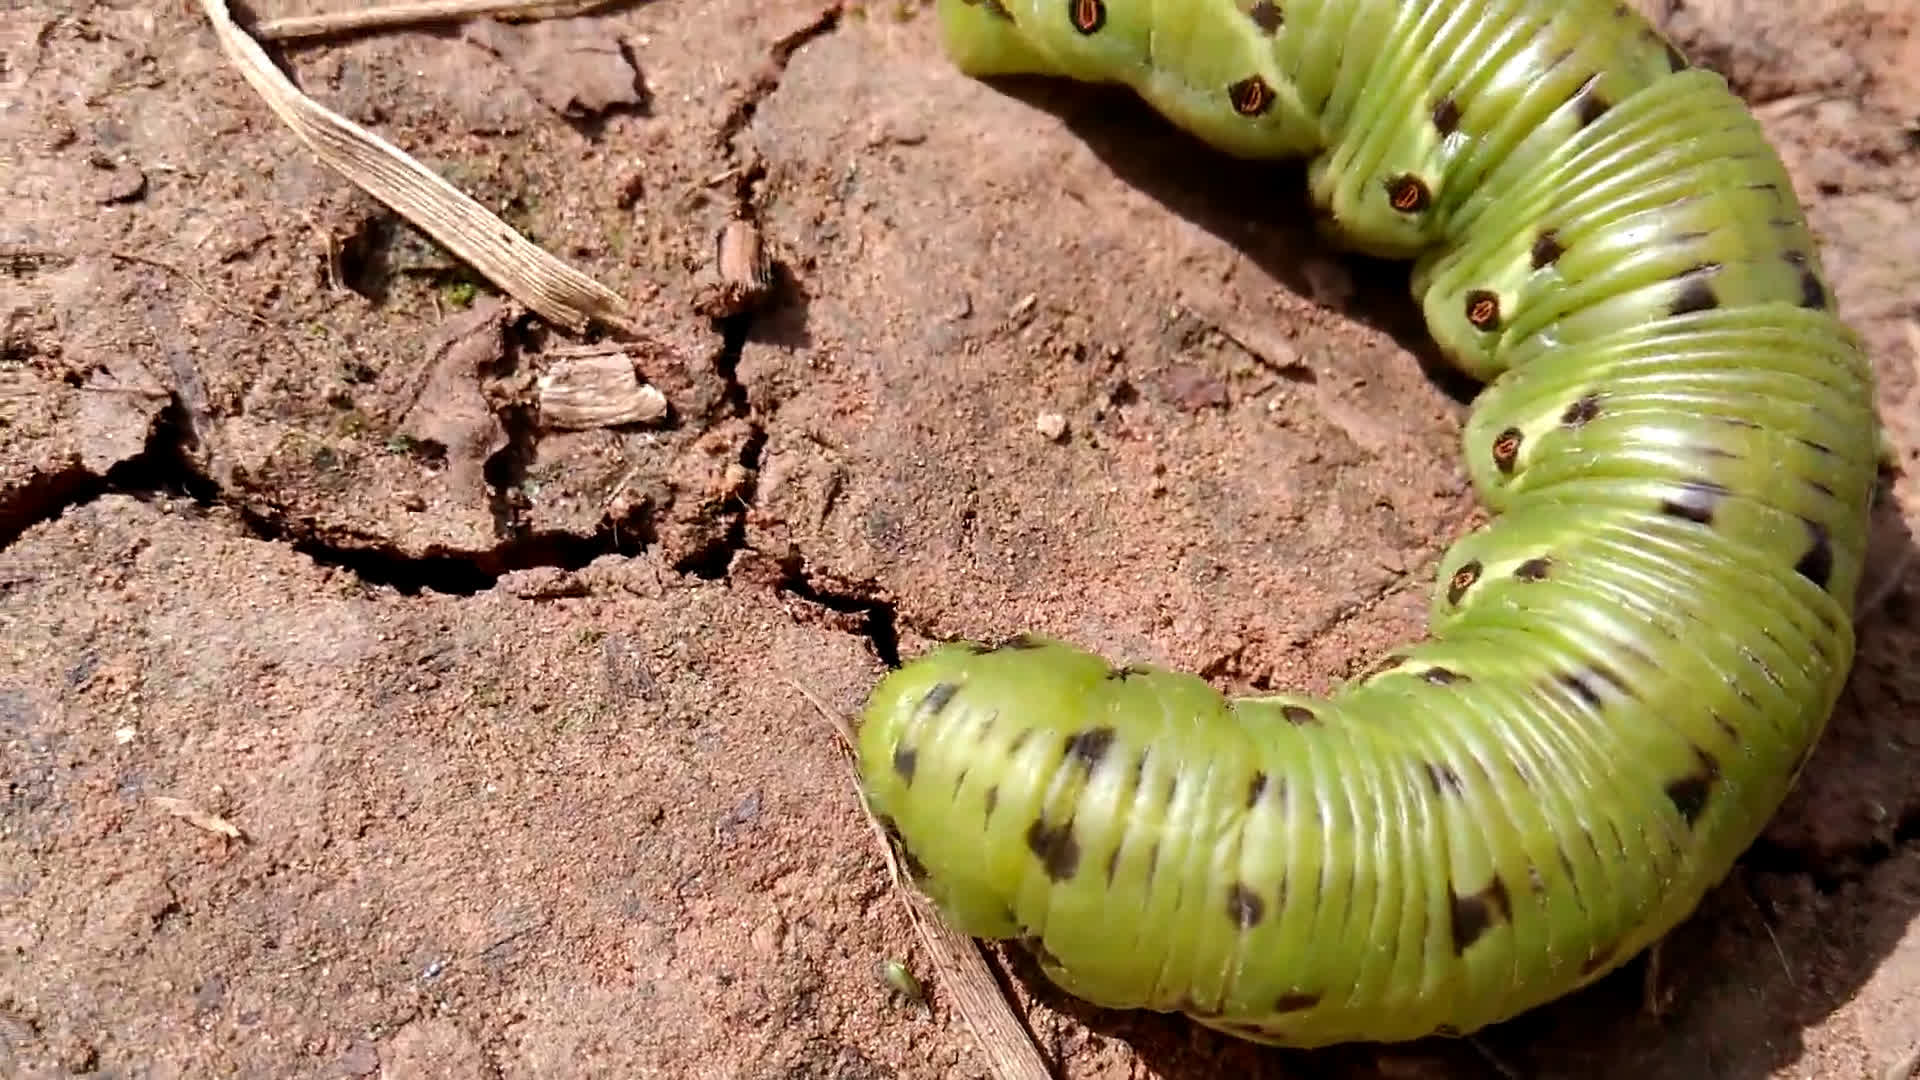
1625	670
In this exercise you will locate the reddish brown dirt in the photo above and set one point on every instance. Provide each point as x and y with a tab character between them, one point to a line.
511	719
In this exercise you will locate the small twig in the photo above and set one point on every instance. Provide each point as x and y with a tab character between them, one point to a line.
1779	108
844	728
1265	348
1507	1071
25	260
849	742
1650	996
962	969
1746	889
1777	950
430	11
198	818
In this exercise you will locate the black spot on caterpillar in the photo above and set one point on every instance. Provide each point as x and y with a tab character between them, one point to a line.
1546	249
1476	913
1055	847
1581	411
1694	500
1677	439
1090	747
1244	906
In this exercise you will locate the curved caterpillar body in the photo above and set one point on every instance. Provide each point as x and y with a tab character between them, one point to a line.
1625	670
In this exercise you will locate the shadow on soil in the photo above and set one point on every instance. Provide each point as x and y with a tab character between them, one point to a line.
1737	982
1260	208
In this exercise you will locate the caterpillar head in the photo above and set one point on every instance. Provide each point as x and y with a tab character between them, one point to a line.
983	40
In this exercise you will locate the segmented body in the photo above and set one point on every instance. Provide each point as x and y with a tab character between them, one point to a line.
1626	669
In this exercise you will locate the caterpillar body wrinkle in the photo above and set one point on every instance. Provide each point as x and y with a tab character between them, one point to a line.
1625	670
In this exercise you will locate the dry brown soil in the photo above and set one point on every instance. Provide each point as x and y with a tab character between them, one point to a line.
511	718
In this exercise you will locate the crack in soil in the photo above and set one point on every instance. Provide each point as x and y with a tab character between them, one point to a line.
875	618
162	467
167	467
766	80
44	496
714	561
505	470
871	616
457	572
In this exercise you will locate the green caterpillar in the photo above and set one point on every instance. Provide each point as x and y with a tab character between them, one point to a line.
1625	670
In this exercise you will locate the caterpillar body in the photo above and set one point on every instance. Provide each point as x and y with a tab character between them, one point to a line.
1625	670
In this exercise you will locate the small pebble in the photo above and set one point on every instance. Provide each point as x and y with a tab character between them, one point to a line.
1051	424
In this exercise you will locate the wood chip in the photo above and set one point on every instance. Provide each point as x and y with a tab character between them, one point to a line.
579	393
742	274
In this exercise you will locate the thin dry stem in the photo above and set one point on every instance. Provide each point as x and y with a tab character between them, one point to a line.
552	289
388	16
956	957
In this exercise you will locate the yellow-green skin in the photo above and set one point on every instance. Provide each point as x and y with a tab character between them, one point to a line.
1626	669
